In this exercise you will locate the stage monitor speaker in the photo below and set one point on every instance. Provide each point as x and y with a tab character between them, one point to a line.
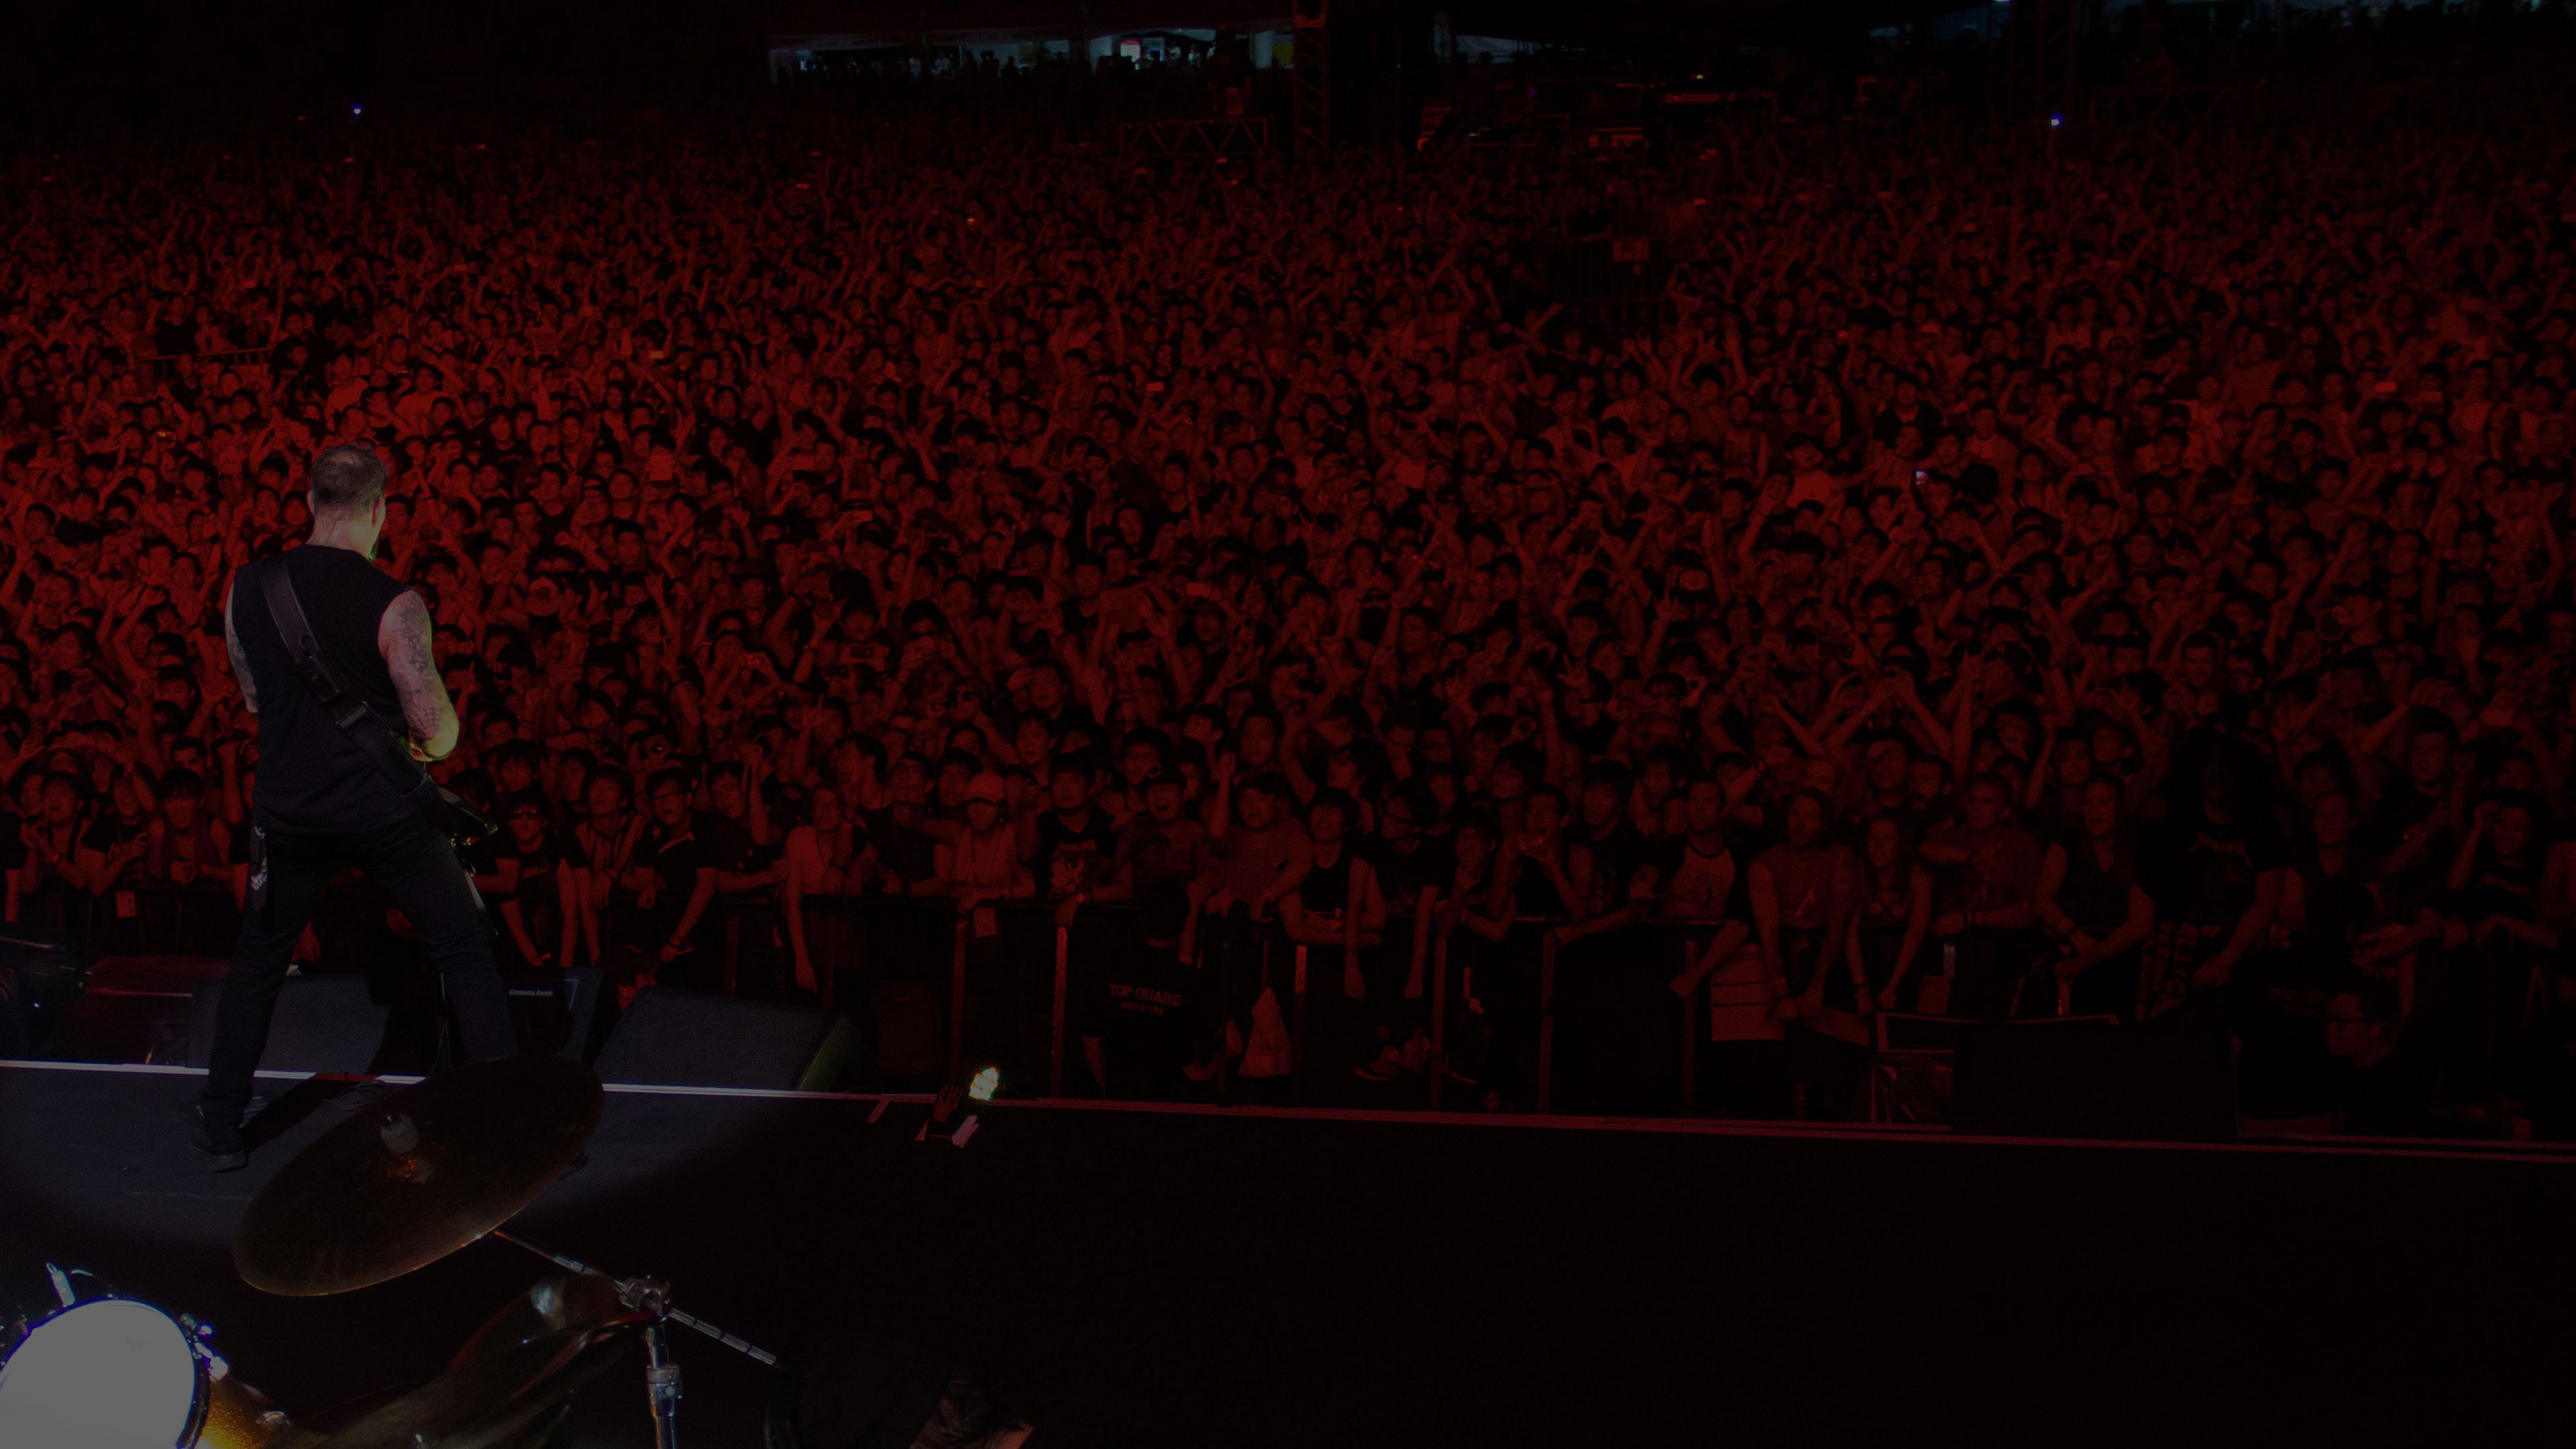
675	1038
39	978
556	1017
2041	1079
324	1023
138	1008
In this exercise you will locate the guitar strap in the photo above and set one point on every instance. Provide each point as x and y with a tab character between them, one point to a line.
355	718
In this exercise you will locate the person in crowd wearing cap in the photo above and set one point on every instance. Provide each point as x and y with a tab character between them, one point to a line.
1007	1003
982	864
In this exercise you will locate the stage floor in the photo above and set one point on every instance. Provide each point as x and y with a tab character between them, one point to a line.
1194	1277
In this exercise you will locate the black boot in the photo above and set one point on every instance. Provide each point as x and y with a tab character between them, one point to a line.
217	1142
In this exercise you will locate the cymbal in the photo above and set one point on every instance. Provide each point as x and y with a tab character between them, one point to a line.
417	1176
564	1303
520	1367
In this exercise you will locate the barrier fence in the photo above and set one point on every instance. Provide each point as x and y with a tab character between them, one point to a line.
984	970
1443	1020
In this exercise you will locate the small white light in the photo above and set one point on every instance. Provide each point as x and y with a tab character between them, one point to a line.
985	1084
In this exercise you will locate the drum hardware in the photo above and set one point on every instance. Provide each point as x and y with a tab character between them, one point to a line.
118	1373
652	1297
509	1386
649	1295
429	1169
420	1174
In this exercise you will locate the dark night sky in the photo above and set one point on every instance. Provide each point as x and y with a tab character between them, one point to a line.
72	55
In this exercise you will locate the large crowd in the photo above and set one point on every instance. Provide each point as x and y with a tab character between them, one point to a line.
2000	580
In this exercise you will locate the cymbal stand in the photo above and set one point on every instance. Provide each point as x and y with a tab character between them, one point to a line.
661	1372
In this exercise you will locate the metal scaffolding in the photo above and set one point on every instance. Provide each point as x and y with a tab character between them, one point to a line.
2041	46
1310	76
1196	136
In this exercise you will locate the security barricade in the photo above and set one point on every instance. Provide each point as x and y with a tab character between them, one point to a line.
1429	1020
1537	1021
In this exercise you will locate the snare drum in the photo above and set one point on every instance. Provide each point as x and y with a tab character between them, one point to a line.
114	1373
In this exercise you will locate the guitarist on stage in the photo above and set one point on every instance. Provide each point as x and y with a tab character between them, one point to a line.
336	785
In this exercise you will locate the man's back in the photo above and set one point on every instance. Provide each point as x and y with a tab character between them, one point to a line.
325	802
312	780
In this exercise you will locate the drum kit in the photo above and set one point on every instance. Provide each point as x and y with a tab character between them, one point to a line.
425	1171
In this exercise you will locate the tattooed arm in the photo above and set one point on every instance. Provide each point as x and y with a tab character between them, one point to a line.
241	661
403	636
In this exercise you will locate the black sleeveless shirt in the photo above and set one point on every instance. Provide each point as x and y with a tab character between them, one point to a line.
312	780
1326	890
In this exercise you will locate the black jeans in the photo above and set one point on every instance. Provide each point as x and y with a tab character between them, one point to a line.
419	871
